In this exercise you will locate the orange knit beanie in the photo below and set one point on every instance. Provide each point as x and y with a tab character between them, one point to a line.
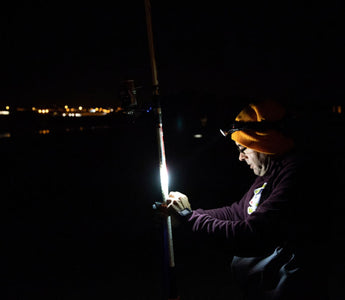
269	141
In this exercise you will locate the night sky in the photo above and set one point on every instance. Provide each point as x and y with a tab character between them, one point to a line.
78	52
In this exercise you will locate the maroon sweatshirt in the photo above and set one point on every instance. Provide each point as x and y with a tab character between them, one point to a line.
271	214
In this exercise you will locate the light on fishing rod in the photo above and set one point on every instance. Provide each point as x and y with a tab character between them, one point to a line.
164	177
224	133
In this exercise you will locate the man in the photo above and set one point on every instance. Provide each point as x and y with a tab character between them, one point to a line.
271	230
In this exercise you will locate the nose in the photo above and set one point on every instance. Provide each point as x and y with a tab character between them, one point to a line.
242	156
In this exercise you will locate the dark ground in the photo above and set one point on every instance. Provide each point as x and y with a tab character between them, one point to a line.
77	221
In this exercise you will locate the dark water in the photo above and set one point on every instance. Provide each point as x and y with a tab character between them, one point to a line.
77	221
77	218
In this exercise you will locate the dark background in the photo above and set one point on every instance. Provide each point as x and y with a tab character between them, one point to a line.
78	52
77	217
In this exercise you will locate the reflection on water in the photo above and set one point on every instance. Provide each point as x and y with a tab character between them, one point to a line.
5	135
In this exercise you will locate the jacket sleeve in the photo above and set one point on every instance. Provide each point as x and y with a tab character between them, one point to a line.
251	234
226	213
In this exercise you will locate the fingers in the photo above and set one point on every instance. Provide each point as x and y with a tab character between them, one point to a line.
174	202
178	204
170	202
178	201
176	195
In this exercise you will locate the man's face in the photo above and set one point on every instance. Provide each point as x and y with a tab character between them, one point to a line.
257	161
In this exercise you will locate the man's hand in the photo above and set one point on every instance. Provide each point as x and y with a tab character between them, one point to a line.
178	202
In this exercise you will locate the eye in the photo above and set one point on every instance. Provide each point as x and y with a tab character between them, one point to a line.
241	150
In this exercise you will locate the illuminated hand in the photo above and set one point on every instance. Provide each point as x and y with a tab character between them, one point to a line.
178	202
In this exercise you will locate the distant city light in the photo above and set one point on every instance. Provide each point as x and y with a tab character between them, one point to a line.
44	131
64	111
197	136
337	109
5	135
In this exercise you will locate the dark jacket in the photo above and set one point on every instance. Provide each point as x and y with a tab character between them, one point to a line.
276	226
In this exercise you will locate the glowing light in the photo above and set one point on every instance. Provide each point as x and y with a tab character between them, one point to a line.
7	107
66	107
4	112
80	108
43	111
5	135
337	109
224	133
44	131
197	136
164	176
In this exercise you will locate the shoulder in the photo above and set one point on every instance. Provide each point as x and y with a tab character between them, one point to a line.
289	165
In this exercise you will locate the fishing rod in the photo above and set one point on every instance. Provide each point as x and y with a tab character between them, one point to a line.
163	170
